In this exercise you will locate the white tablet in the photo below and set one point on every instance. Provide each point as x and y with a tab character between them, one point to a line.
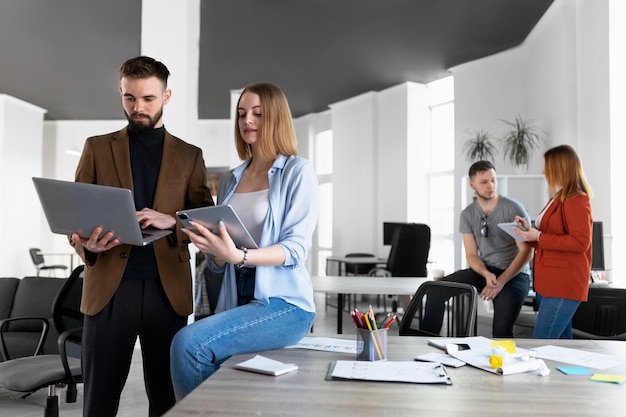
509	229
210	217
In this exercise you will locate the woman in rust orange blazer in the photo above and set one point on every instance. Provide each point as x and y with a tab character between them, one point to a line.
562	241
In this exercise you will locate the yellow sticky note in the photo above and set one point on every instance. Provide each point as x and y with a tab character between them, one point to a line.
508	345
616	379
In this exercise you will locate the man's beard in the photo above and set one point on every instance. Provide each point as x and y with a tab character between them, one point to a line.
140	126
484	197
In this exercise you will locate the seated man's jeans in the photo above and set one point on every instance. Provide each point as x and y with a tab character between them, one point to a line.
198	349
554	318
507	304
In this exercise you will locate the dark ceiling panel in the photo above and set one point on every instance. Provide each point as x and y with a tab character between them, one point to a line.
63	55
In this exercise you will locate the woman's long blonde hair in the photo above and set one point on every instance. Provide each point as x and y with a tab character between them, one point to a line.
564	173
277	134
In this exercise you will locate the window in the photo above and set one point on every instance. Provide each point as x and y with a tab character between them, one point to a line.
323	238
441	175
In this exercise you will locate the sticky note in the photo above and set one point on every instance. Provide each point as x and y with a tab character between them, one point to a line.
615	379
574	370
508	345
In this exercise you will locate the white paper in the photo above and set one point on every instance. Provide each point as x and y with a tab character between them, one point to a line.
442	358
263	365
326	344
392	371
579	357
479	358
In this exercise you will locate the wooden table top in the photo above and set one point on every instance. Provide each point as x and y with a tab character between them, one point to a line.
473	392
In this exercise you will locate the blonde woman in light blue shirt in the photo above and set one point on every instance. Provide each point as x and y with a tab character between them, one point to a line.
266	297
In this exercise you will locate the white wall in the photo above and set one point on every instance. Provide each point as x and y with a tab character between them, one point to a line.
380	158
20	159
558	79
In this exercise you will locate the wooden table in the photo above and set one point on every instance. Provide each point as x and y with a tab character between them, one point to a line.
342	285
473	393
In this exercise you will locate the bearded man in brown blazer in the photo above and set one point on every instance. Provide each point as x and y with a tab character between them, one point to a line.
133	291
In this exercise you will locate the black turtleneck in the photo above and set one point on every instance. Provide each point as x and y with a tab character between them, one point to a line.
146	150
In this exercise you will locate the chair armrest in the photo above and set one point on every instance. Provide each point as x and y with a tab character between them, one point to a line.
580	334
45	327
62	341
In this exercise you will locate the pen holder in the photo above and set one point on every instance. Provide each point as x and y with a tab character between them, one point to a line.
371	345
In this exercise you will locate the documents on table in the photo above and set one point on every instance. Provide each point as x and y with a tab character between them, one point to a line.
327	344
442	358
389	371
578	357
478	351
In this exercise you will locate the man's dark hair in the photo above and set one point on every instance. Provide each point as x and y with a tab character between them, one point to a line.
144	67
480	166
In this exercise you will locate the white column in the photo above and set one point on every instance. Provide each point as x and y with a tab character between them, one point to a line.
21	144
170	33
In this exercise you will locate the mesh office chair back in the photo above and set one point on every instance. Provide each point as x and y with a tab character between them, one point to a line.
441	308
603	316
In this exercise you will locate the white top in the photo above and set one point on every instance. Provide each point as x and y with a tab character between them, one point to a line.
252	209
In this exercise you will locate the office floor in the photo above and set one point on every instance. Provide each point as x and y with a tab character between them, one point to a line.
134	402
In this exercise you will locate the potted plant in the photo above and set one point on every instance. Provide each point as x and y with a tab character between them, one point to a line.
520	142
479	146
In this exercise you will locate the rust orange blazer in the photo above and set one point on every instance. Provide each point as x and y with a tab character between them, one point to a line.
181	184
562	261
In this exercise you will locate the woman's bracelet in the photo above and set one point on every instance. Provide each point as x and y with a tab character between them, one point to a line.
245	257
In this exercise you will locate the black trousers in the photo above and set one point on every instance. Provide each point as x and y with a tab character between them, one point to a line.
139	308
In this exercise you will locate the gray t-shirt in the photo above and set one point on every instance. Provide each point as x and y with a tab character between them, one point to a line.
498	249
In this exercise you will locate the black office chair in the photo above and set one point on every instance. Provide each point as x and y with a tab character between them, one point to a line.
408	255
439	302
32	373
603	316
39	261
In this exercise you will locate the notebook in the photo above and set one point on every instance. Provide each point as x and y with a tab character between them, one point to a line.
210	216
75	207
262	365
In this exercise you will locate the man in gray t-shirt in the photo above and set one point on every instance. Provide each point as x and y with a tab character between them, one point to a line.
498	264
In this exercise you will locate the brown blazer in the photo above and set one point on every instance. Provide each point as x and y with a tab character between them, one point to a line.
562	261
181	184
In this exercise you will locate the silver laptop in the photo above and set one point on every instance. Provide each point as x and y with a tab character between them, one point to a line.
75	207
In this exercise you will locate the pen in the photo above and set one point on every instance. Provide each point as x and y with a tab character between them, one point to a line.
393	318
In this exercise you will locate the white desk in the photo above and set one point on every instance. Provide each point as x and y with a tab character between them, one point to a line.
474	392
356	261
342	285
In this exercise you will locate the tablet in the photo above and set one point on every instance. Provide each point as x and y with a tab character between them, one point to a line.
509	227
210	217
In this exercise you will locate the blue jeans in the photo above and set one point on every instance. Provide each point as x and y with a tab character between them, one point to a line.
198	349
506	306
554	318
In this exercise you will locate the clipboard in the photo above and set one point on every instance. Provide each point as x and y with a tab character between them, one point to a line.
389	371
210	216
509	229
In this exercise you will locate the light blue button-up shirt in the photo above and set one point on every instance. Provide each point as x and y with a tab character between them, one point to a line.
291	220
